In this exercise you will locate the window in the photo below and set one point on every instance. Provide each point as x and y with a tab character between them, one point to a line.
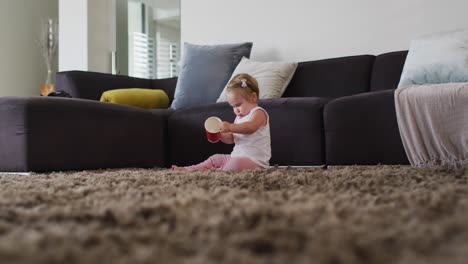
151	46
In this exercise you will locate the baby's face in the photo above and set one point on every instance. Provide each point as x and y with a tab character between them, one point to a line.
240	105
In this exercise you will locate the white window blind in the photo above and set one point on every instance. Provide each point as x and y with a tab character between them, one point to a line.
166	59
143	55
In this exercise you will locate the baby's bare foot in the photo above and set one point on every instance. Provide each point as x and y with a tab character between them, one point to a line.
176	168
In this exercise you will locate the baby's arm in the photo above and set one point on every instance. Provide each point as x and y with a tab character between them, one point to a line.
227	138
258	120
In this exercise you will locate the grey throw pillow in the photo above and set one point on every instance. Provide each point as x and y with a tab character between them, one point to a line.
205	70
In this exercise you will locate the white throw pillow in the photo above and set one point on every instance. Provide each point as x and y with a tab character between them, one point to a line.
437	58
272	77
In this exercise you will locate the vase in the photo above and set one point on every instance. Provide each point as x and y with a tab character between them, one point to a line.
47	87
48	41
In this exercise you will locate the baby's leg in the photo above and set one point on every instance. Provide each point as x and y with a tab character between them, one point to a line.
240	163
214	162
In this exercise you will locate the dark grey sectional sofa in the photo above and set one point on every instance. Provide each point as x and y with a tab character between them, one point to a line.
336	111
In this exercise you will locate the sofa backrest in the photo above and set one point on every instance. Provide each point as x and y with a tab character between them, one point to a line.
387	70
331	78
91	85
338	77
168	85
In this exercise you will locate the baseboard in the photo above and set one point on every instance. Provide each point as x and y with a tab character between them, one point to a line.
305	166
17	173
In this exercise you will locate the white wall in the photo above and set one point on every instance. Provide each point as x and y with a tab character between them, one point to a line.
87	35
101	34
121	35
73	35
300	30
22	68
134	25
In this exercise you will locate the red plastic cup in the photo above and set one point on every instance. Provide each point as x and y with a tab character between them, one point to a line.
212	126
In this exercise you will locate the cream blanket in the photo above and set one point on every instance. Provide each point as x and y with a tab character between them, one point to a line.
433	123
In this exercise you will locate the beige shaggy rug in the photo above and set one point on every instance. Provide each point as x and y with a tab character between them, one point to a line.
379	214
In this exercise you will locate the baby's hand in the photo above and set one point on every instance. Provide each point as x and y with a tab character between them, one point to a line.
225	127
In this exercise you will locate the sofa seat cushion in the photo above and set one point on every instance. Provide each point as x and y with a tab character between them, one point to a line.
296	128
362	129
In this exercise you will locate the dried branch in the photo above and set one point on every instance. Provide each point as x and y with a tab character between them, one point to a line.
47	41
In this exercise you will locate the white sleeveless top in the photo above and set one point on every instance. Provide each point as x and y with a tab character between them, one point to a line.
255	146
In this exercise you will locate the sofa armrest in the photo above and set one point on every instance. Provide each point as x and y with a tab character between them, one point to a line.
91	85
363	130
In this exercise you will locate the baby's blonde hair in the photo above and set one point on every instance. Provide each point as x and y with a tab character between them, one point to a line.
245	84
